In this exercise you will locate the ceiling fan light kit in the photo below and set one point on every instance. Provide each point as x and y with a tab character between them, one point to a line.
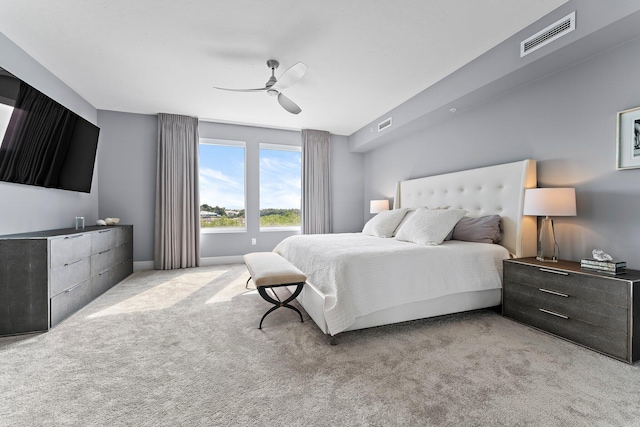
275	86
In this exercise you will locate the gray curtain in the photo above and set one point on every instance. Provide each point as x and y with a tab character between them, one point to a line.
316	194
177	222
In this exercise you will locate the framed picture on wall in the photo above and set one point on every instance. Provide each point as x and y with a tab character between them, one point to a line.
628	152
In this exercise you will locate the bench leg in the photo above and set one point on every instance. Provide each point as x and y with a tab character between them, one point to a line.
262	290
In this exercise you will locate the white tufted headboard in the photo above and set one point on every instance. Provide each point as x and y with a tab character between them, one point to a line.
483	191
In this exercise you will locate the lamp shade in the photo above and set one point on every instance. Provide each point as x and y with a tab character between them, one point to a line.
550	202
377	206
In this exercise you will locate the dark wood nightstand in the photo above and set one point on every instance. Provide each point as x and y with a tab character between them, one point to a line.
595	310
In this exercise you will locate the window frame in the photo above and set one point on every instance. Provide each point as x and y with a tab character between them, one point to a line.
227	143
279	147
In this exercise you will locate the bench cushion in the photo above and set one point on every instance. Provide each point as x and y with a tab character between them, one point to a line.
269	268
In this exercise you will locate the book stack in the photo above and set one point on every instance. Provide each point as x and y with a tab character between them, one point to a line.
607	267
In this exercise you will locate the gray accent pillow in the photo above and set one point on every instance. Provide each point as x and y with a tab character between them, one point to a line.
485	229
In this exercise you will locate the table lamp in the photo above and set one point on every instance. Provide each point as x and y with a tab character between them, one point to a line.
377	206
549	202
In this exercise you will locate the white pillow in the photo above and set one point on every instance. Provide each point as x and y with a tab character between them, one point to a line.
429	226
410	213
385	223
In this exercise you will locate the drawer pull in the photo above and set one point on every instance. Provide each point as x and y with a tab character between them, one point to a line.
553	293
562	273
104	231
103	271
554	313
73	287
71	263
104	252
74	237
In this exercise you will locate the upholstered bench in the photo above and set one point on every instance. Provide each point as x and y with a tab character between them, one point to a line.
269	270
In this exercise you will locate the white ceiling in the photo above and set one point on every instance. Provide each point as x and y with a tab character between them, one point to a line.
365	57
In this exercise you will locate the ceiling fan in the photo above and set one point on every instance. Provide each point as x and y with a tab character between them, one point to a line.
275	86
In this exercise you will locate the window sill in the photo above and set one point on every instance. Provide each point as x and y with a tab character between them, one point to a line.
272	229
222	230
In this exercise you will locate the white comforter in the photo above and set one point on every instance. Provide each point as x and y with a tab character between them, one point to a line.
360	274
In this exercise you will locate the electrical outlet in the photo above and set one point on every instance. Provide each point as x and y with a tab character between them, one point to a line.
254	241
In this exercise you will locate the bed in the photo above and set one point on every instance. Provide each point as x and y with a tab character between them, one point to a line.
356	281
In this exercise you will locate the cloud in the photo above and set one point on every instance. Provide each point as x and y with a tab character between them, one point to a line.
280	181
217	188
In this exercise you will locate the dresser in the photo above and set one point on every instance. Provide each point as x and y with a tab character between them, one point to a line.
48	275
595	310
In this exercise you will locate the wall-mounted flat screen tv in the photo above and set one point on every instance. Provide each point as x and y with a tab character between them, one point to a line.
43	143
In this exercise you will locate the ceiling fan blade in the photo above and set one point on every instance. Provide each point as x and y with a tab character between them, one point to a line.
242	90
291	76
288	104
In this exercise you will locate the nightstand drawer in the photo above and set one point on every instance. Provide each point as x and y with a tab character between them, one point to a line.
575	306
614	343
595	288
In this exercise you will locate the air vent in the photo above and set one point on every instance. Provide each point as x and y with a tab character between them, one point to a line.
549	34
384	124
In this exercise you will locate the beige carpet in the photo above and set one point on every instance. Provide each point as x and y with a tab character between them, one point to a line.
182	348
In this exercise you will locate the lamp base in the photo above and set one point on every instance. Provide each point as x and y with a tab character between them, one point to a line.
547	247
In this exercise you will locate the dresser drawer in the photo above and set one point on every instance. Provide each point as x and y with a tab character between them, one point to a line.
594	288
124	252
64	250
124	235
102	282
614	343
69	274
102	261
71	300
102	240
123	270
575	306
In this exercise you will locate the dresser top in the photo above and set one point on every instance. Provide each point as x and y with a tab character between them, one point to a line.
59	232
630	275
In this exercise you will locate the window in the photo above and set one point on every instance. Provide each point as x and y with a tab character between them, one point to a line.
222	185
280	186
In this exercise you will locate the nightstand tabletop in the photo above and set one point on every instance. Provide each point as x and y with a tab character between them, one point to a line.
564	265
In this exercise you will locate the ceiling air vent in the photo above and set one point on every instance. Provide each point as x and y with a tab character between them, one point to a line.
384	124
549	34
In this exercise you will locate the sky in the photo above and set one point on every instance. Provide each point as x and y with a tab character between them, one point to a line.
222	177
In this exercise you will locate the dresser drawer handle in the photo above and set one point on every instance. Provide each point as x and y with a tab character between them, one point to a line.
71	263
553	293
74	237
104	252
553	313
73	287
562	273
104	231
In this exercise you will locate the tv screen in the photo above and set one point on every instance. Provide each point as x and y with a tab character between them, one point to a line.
43	143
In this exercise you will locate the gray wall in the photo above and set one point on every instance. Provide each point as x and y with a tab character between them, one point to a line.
127	164
347	187
127	168
27	208
567	122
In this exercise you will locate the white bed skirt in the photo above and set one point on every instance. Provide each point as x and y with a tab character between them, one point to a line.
313	302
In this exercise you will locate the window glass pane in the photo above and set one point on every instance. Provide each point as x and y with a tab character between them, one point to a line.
280	186
222	195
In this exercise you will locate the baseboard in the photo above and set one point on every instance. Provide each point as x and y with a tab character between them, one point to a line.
143	265
204	262
218	260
